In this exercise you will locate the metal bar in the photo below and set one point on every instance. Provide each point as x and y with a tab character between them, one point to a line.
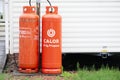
38	13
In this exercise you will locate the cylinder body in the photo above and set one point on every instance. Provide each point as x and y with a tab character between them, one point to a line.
28	40
51	42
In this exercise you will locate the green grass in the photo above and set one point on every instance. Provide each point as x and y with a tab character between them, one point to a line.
104	73
2	76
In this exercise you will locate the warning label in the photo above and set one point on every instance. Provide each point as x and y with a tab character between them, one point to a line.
25	33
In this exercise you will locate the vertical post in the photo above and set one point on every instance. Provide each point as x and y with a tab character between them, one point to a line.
38	13
6	26
38	7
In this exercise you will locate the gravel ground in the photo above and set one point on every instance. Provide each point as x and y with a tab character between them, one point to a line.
12	73
36	77
11	61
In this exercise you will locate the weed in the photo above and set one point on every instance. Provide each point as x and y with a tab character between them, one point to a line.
2	76
26	79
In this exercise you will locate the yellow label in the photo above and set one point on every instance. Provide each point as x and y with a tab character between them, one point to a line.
104	50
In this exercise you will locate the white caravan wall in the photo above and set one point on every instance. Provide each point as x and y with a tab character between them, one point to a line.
88	25
4	35
2	22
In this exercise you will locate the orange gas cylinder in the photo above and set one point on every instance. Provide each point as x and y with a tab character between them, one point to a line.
28	40
51	42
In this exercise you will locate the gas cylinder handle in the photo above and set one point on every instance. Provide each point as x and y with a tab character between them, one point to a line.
50	6
55	9
29	9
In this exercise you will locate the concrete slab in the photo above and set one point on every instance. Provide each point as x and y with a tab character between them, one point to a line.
17	73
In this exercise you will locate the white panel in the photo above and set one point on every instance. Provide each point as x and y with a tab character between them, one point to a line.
2	31
1	6
87	25
2	40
